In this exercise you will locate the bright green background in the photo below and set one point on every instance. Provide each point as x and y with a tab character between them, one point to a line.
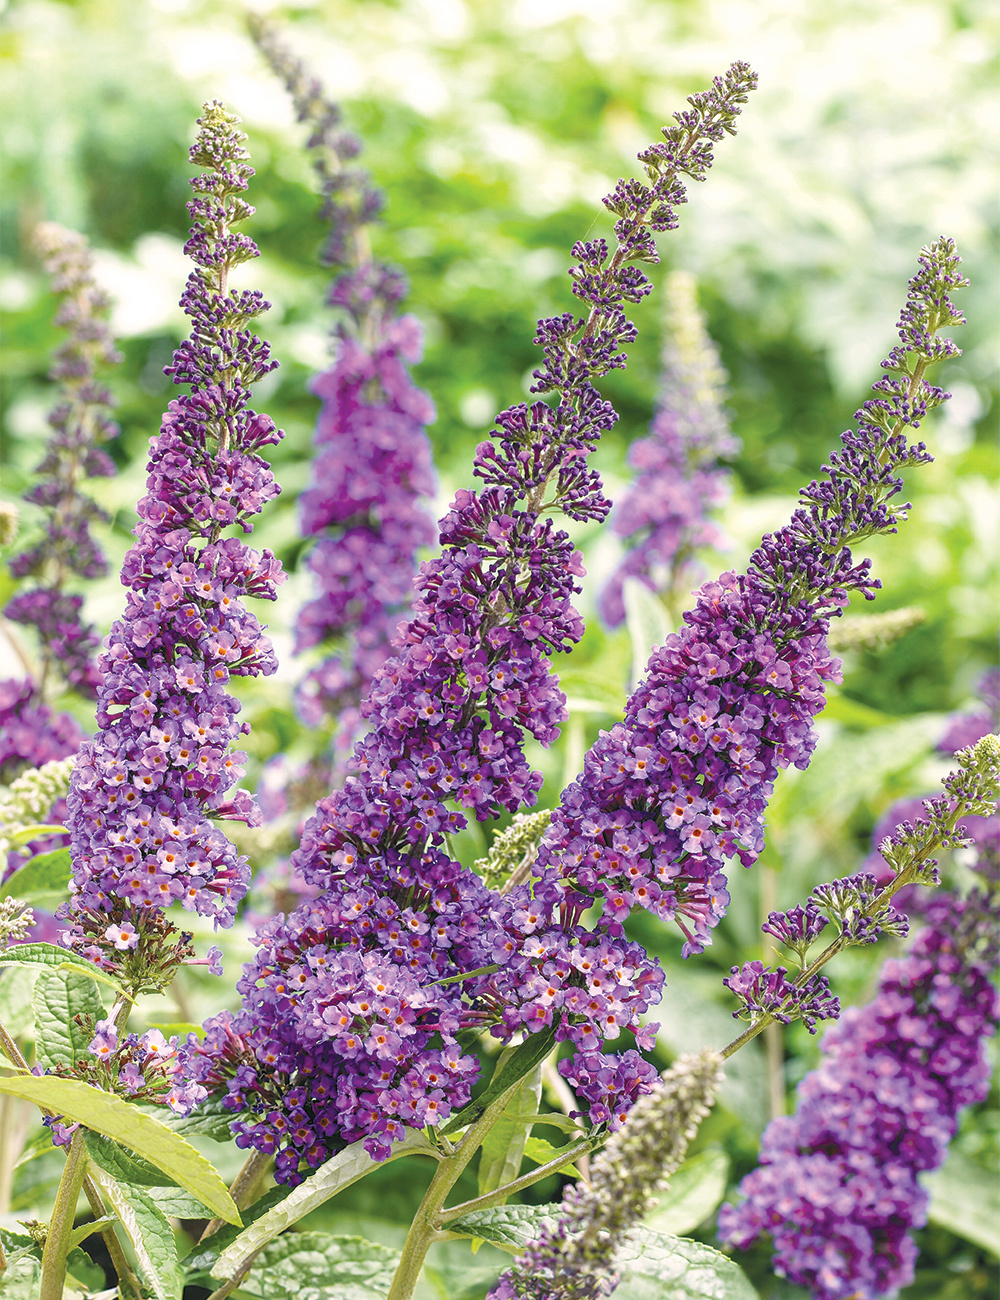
494	128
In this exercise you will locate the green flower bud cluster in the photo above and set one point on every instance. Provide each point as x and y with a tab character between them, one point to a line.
30	797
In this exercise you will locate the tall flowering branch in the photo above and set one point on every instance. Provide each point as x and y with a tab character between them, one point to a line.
664	515
80	424
354	1003
373	462
147	787
683	783
575	1259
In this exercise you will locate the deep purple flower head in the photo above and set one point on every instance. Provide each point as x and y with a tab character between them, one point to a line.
448	714
373	458
161	764
79	425
664	515
837	1187
683	783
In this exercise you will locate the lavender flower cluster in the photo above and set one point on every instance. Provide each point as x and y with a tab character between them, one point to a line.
837	1186
373	462
665	512
145	787
683	783
351	1028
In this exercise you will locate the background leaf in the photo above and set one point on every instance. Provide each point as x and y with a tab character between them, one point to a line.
965	1199
694	1192
503	1149
43	881
149	1233
657	1267
318	1266
647	621
58	998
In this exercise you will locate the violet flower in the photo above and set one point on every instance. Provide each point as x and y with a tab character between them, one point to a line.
664	514
351	1023
683	783
837	1186
373	463
146	786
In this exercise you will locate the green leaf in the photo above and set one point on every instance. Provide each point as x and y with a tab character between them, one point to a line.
149	1233
58	998
647	622
47	954
203	1255
178	1204
42	881
965	1199
82	1269
556	1119
654	1266
503	1147
209	1119
36	831
343	1169
15	1000
319	1266
541	1151
521	1061
694	1192
142	1134
510	1227
123	1165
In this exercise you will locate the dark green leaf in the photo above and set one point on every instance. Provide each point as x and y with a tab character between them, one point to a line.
318	1266
149	1233
178	1204
124	1165
86	1230
503	1147
82	1269
508	1226
42	881
58	998
115	1118
203	1256
521	1061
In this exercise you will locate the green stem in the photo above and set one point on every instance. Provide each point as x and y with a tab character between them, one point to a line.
61	1225
425	1229
128	1283
245	1187
566	1156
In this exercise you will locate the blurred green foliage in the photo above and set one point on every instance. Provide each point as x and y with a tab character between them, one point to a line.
494	130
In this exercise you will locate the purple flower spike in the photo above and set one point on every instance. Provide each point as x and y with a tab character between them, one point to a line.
664	513
333	1058
373	458
161	765
667	796
837	1186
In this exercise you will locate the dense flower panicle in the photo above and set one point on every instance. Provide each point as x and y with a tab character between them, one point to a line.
837	1186
683	783
161	764
373	459
664	515
574	1259
448	714
80	424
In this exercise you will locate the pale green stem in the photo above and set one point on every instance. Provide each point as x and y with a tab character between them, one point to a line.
568	1155
245	1187
424	1230
61	1225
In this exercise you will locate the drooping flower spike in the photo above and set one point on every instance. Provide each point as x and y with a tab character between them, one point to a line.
373	459
354	1003
664	516
147	788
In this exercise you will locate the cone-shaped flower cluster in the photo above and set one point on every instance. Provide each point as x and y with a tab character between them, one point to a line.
344	1008
667	796
160	767
837	1185
664	515
80	424
373	458
575	1260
